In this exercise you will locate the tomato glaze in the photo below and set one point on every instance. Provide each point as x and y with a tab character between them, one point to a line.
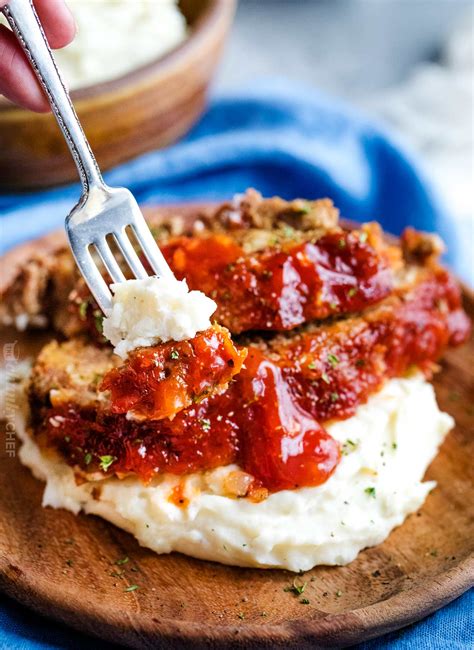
276	289
271	418
159	381
279	289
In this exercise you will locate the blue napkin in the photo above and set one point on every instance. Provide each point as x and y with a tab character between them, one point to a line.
282	139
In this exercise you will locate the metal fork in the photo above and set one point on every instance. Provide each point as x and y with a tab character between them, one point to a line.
102	211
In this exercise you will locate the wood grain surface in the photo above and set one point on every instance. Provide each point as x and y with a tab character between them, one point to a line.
149	108
69	568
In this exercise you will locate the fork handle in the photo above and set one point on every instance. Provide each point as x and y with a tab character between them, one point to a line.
26	26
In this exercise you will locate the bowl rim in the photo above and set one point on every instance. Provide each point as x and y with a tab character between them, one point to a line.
217	13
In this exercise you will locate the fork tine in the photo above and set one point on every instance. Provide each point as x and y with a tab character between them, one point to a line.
150	248
109	260
130	255
94	279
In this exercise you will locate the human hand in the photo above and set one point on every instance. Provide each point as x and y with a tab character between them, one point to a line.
18	82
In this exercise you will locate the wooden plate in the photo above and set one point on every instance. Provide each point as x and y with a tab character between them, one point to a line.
65	567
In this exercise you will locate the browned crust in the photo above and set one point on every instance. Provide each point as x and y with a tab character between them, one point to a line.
12	262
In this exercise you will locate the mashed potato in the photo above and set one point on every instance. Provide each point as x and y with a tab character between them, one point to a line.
116	36
387	447
153	310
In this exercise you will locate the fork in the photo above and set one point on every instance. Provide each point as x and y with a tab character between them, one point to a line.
102	211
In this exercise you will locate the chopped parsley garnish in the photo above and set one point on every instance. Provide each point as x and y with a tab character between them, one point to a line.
241	615
333	360
334	397
122	560
69	562
325	378
360	363
174	354
131	588
304	601
83	309
352	292
305	208
295	589
394	445
333	305
312	365
98	318
370	491
349	446
106	462
342	243
87	459
205	423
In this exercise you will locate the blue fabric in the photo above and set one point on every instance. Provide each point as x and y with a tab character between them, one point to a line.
281	139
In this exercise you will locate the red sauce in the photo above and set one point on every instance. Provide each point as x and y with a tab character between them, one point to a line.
279	289
271	419
159	381
177	496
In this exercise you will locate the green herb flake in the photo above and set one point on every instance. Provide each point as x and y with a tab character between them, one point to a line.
304	601
342	243
122	561
394	445
174	354
333	360
87	459
370	491
348	447
334	397
131	588
312	365
338	593
70	562
296	589
241	615
304	208
325	378
83	309
333	305
98	320
352	292
106	462
205	423
360	363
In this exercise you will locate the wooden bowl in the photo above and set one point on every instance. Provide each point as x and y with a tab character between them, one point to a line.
65	567
146	109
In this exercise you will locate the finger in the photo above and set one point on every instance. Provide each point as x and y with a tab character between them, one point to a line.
17	79
57	20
